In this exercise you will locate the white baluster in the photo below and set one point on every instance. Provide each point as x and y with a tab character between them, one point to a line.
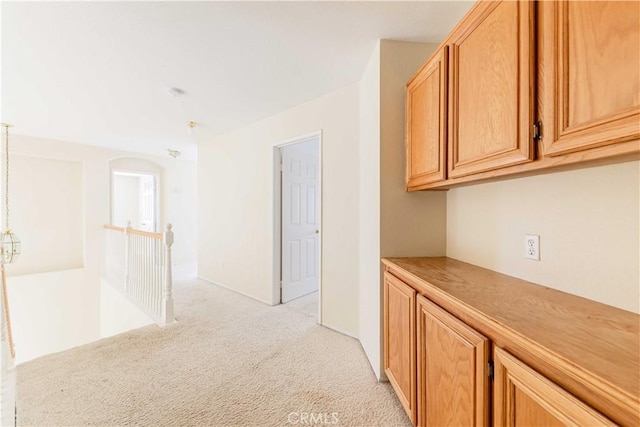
126	257
130	267
167	315
120	252
107	252
145	287
139	260
147	271
134	266
157	277
152	269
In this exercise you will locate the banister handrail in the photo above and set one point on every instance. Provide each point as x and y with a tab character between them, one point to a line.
134	231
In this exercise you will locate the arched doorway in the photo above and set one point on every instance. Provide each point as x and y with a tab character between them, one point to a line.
135	194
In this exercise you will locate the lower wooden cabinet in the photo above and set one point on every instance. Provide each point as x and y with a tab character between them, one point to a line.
463	349
523	397
437	365
400	341
453	360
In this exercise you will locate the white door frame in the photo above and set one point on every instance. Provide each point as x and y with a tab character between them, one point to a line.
156	180
277	216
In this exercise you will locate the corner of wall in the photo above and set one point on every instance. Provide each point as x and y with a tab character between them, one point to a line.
369	212
412	224
393	222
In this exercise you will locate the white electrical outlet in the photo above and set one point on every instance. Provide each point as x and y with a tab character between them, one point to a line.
532	246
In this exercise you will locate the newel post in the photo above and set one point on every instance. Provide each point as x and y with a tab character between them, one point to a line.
126	257
167	307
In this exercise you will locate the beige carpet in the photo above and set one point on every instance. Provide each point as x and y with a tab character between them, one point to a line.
230	361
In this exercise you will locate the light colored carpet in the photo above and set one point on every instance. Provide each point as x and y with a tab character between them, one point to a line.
230	361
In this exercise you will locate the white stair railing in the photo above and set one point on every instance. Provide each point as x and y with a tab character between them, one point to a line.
7	367
138	264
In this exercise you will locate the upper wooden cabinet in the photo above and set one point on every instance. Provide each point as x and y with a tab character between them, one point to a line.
491	88
427	122
591	81
531	85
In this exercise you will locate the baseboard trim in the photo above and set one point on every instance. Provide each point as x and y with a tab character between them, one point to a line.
236	291
339	330
325	324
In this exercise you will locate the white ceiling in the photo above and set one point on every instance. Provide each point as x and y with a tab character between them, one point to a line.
97	72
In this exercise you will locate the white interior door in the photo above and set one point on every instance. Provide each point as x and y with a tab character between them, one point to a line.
147	203
300	219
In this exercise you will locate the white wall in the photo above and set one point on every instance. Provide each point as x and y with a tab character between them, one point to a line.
393	222
235	197
412	224
180	208
369	266
38	186
587	219
64	306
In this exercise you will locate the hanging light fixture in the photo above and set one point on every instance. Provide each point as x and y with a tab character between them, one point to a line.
9	242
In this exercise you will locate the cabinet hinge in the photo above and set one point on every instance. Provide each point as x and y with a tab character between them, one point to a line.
537	131
490	369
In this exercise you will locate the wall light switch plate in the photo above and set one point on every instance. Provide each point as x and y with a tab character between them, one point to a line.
532	246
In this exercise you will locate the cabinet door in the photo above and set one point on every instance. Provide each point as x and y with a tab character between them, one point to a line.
491	88
453	386
523	397
400	341
427	122
591	81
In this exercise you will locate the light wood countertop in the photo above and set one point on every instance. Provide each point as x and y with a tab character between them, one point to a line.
590	349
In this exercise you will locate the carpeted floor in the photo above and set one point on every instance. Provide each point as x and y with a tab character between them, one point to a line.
229	361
